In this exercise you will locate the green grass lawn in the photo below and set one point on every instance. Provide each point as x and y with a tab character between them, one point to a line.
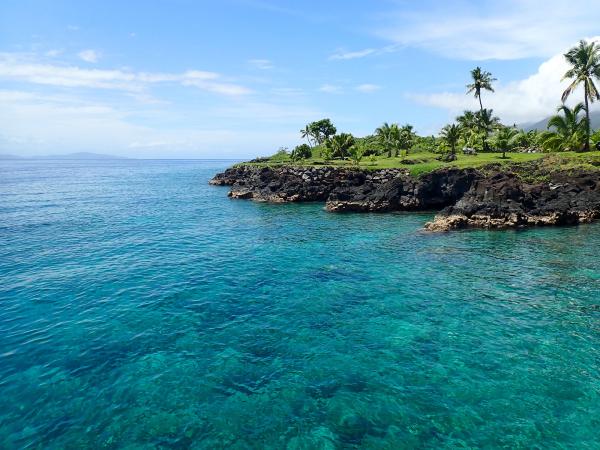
424	162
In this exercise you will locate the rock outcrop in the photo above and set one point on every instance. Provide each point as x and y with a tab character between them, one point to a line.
503	200
493	197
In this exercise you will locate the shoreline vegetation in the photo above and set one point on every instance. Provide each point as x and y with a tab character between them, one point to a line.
474	139
477	172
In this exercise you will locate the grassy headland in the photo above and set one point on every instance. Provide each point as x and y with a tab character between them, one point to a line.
423	162
474	139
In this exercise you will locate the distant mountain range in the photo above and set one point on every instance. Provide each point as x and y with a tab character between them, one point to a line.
543	124
78	156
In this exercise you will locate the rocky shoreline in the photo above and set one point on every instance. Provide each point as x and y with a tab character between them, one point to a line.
492	197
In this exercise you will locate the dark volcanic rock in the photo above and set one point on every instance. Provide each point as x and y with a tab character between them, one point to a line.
295	184
494	198
405	193
503	200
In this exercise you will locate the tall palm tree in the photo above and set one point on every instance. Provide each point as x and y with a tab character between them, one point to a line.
585	67
482	80
451	134
569	129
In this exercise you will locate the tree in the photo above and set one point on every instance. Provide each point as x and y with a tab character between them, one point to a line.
302	151
321	130
468	121
569	131
470	129
526	139
504	139
385	134
307	133
357	152
406	137
487	123
451	134
340	145
482	80
585	68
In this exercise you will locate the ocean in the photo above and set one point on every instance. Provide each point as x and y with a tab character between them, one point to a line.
142	308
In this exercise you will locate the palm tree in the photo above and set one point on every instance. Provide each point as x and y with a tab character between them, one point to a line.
569	129
585	67
482	80
505	139
406	137
468	121
487	123
340	144
451	134
384	133
307	133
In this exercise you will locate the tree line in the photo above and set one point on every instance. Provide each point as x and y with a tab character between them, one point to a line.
568	130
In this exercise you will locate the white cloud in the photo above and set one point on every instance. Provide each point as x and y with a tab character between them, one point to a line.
367	88
32	123
356	54
331	89
21	68
510	29
262	64
53	53
343	55
521	101
90	56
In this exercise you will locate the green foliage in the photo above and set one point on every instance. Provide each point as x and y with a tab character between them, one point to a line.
482	80
584	60
394	138
487	123
451	134
318	132
569	130
340	145
357	152
595	138
302	151
504	139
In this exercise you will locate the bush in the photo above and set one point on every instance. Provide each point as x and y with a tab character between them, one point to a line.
302	151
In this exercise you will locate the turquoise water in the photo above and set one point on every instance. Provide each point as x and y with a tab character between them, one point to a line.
141	308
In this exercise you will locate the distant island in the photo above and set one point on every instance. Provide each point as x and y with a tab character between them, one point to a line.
67	156
477	173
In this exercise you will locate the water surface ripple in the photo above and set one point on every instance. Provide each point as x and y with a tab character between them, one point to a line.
141	308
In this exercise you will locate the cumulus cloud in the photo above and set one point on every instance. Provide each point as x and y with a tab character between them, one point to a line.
520	101
18	67
91	56
510	29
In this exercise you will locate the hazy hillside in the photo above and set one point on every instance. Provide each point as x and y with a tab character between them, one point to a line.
542	124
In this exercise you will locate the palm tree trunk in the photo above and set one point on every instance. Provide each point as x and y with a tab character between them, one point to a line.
587	120
480	104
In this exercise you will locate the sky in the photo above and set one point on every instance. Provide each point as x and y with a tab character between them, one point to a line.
240	78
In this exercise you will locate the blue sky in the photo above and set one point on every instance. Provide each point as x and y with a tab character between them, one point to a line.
239	78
